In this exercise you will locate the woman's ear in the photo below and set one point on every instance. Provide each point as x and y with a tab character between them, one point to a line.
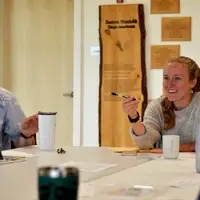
193	83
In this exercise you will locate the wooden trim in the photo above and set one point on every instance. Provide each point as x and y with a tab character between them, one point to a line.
100	75
6	69
143	58
78	129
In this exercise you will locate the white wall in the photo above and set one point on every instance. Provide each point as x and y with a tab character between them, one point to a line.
90	79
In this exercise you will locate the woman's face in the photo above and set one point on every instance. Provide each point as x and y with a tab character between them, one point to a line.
176	84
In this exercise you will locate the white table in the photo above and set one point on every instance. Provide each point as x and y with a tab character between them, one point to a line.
19	180
162	174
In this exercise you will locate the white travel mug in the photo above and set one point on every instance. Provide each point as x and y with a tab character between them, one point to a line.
47	130
171	145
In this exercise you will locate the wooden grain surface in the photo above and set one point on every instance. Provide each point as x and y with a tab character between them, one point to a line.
160	54
122	69
176	28
165	6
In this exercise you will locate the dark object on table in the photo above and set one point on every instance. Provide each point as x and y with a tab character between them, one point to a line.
55	183
1	156
61	151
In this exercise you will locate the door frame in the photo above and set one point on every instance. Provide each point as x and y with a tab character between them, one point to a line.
77	75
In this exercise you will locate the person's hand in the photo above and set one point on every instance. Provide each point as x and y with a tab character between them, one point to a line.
187	147
130	106
30	125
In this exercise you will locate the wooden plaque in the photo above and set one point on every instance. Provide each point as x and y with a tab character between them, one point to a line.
160	54
176	28
165	6
122	70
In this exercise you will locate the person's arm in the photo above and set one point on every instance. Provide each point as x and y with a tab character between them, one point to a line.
14	116
187	147
147	133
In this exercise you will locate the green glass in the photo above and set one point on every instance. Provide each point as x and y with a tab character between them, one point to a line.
57	184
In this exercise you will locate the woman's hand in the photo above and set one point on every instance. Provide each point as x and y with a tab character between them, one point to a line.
130	106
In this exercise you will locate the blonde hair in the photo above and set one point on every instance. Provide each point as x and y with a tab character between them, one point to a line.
168	107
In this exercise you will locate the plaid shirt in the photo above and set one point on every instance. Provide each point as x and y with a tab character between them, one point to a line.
11	115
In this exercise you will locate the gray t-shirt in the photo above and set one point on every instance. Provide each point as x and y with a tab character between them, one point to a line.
186	122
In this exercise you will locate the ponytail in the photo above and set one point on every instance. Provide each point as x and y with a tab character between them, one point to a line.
168	108
197	86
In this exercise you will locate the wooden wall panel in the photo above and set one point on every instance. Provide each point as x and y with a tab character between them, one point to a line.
122	69
160	54
165	6
176	29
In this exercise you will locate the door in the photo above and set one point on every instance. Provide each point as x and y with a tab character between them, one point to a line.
41	54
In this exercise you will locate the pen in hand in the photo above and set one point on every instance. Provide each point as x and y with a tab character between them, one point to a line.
119	95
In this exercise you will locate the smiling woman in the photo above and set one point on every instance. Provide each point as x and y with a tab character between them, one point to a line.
180	80
176	113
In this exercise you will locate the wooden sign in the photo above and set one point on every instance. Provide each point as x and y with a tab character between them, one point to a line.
160	54
176	28
165	6
122	70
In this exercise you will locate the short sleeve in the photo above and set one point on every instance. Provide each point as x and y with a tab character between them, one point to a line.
13	117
